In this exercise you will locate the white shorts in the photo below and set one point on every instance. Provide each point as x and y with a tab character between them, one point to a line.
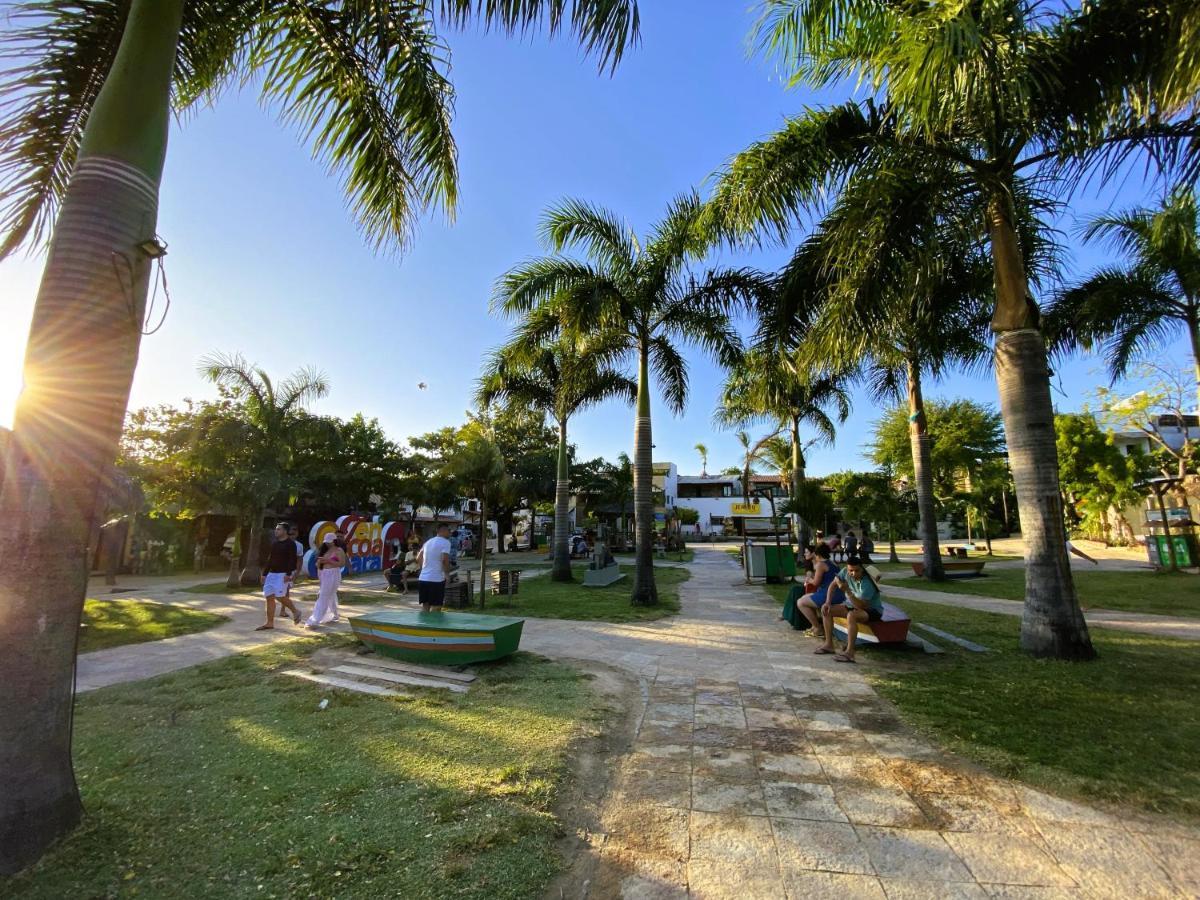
276	585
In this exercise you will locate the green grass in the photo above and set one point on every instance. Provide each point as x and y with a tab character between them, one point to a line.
225	780
1149	591
111	623
541	598
1122	729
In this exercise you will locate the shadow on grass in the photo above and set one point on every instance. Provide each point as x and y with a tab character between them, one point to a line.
541	598
114	623
228	780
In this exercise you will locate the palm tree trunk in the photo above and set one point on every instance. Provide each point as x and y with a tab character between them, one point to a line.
561	570
252	573
918	435
79	363
1052	624
645	591
802	529
1193	329
483	581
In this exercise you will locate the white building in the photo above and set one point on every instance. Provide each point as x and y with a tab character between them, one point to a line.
1173	433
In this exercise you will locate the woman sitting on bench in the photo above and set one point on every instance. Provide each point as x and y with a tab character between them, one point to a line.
862	605
824	590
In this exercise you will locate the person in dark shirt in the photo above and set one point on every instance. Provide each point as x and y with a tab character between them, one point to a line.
277	577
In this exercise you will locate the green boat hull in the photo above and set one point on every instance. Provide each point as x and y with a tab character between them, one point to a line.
438	638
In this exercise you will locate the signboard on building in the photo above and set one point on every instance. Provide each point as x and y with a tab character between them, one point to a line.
753	508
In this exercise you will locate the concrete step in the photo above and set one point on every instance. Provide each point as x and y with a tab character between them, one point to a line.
400	678
346	684
397	666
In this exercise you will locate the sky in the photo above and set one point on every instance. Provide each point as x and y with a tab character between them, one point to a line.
265	259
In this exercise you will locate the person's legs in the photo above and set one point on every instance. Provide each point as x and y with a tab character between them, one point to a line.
853	617
812	612
829	612
270	622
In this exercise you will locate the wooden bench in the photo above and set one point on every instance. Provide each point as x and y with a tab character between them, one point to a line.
891	629
954	569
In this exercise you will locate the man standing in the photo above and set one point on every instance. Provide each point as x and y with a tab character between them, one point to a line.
434	562
277	576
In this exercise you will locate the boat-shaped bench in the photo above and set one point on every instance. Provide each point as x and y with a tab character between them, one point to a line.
891	629
440	638
954	569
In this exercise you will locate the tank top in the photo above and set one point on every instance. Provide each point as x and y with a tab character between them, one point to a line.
823	588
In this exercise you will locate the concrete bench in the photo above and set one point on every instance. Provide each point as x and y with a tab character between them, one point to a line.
891	629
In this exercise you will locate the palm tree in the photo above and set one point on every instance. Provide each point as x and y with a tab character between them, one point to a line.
85	100
915	308
641	289
994	91
1131	309
560	378
703	451
754	451
476	467
769	384
273	415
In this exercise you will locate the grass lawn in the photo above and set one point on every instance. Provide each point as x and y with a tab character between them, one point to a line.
111	623
541	598
1149	591
224	780
1122	728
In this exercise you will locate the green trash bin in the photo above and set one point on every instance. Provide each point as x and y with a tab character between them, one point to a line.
1185	550
780	561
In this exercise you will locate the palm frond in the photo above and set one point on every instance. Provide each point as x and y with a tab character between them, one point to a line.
607	241
671	371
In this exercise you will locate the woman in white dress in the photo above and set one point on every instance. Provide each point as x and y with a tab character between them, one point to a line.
329	572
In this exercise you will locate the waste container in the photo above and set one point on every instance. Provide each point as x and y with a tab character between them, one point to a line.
1186	550
771	562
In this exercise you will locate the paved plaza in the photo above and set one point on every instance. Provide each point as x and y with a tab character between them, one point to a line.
757	769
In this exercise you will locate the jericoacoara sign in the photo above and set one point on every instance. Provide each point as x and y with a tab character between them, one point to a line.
369	543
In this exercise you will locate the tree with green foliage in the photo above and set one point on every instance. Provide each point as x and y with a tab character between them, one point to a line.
476	467
341	467
272	420
703	451
1098	480
965	435
560	379
997	92
86	94
875	498
643	289
771	385
1125	311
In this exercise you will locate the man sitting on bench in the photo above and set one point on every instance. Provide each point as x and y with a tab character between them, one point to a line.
862	605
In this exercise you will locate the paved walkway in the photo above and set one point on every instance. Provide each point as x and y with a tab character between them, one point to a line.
761	770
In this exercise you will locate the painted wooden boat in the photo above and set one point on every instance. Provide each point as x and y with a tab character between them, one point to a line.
440	638
954	569
891	629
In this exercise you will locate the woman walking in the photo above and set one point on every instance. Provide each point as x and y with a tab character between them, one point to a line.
329	572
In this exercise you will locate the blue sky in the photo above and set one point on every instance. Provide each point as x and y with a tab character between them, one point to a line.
265	259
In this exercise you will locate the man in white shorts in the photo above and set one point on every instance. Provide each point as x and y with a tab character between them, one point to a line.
277	577
434	561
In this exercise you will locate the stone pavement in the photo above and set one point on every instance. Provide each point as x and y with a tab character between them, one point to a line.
760	770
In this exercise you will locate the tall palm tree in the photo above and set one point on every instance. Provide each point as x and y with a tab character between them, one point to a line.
754	452
560	378
85	98
915	307
703	451
274	414
993	90
476	468
643	290
1127	310
770	384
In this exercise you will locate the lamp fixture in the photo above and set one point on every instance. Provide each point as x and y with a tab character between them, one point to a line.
155	248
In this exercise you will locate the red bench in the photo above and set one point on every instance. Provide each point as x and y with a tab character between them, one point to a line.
891	629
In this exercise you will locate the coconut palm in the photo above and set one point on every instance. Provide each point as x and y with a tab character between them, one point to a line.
86	94
560	378
1127	310
476	468
642	289
703	451
273	416
914	309
769	384
754	452
995	91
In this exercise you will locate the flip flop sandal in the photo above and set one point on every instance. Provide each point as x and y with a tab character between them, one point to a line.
821	651
841	657
265	628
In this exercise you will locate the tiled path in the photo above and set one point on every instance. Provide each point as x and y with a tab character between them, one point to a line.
760	770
